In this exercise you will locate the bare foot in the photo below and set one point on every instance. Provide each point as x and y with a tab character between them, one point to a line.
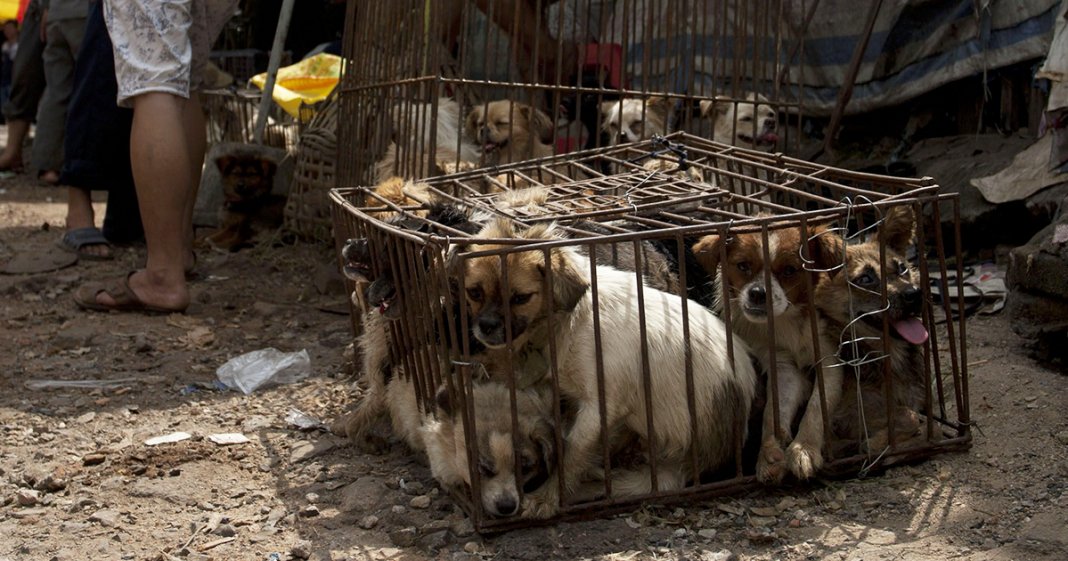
49	176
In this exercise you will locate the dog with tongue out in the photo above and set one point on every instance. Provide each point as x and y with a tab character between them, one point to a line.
869	330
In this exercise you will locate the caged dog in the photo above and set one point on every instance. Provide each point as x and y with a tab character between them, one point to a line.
854	310
446	445
510	132
411	121
249	207
787	297
746	125
634	120
527	315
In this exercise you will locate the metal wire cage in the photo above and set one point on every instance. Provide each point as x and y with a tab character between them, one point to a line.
665	194
715	68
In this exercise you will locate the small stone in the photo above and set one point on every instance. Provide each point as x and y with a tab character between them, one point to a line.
304	450
309	511
404	537
472	547
1062	437
795	523
301	550
721	555
398	509
205	505
93	459
51	484
680	532
86	418
312	497
434	540
761	521
27	497
368	522
420	502
707	534
225	531
105	517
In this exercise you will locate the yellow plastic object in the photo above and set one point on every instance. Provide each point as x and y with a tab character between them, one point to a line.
308	81
9	9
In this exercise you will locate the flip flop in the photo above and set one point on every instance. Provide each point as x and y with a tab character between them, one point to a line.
119	290
75	240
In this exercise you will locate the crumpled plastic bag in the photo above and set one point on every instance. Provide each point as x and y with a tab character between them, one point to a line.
250	371
308	81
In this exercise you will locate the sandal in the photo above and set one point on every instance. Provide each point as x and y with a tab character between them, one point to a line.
77	239
119	290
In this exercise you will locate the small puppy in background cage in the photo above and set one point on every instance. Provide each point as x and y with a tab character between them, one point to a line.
510	131
851	302
634	120
250	209
787	297
446	445
750	125
723	392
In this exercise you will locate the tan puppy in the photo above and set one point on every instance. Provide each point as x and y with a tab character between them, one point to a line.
510	132
722	395
634	120
854	309
446	445
412	132
787	298
746	125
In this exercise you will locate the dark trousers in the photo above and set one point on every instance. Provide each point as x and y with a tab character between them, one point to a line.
97	143
28	79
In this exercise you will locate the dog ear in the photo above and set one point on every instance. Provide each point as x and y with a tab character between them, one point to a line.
225	163
569	284
825	250
660	106
707	250
545	437
471	123
268	168
899	228
540	123
714	107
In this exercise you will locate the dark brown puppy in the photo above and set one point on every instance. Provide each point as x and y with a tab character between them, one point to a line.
249	207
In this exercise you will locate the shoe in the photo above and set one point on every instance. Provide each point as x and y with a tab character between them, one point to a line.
77	239
119	290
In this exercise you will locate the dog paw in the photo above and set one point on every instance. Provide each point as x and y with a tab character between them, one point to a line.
538	508
803	461
771	464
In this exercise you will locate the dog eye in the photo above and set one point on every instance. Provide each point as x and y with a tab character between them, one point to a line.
743	266
867	279
520	299
486	470
789	271
475	294
502	123
746	119
526	465
902	269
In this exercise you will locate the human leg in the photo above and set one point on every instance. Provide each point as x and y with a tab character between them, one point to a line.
64	39
26	87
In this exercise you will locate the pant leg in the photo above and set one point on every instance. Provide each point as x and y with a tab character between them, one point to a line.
28	81
60	53
97	142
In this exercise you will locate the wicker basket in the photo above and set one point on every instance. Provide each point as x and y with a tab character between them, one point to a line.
307	212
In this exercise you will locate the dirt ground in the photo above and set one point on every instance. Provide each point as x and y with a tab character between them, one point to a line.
78	482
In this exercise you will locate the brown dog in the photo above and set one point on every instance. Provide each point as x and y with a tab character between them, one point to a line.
510	132
853	309
787	298
249	207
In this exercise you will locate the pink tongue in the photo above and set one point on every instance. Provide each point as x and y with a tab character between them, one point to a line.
911	329
770	138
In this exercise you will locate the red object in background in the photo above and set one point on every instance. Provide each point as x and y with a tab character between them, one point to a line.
607	57
22	9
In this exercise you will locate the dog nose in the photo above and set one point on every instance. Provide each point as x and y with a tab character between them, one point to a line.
490	323
911	295
757	295
506	506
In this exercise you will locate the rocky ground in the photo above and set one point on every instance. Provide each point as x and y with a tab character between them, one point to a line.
77	480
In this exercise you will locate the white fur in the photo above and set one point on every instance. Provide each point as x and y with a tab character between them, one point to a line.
620	120
717	387
411	122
